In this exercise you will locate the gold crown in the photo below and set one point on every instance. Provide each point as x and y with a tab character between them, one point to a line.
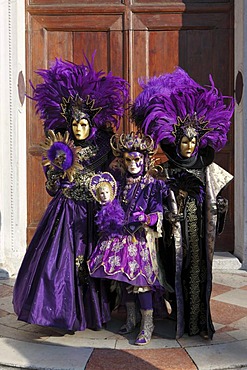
132	142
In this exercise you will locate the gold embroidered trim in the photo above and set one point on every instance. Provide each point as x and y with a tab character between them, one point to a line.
195	266
80	189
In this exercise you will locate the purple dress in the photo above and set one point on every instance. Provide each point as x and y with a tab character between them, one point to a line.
131	256
53	287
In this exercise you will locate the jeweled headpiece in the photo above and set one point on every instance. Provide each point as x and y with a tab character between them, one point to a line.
77	108
190	127
69	90
174	103
132	142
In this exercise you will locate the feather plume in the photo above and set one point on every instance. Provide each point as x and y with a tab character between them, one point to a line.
168	97
110	219
102	93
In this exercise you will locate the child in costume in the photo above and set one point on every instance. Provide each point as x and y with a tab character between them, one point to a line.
80	107
191	123
129	228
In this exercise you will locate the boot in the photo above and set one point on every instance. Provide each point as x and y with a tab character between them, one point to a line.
131	321
147	328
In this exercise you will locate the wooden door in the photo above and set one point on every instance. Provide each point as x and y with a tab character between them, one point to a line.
133	38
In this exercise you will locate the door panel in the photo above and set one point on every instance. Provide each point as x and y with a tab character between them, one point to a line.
201	43
73	2
66	36
133	38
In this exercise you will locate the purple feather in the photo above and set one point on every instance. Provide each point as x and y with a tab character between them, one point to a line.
61	155
169	96
110	219
65	79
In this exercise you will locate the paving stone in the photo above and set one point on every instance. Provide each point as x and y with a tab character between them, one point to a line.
152	359
238	297
229	311
220	356
220	289
240	324
3	313
5	290
196	341
225	261
154	344
41	356
227	278
21	335
82	342
225	313
10	321
10	282
239	334
6	304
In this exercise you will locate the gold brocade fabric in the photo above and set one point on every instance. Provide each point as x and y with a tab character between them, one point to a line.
194	287
187	270
80	189
194	276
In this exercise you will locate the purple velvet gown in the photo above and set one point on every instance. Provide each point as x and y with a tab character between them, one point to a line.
131	256
53	287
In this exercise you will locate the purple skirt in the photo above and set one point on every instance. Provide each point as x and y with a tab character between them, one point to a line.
48	290
124	259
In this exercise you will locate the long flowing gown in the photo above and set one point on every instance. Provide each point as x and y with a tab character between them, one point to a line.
53	287
189	245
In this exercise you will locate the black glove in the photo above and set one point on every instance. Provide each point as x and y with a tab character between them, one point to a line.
53	180
222	208
222	205
173	218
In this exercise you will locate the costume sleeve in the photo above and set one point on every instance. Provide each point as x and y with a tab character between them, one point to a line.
53	182
155	204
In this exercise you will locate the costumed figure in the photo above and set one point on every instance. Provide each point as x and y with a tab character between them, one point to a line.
190	122
129	228
80	109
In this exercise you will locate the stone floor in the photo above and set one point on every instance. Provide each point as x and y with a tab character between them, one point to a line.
33	347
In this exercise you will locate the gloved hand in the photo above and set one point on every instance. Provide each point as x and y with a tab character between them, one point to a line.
222	204
172	217
139	216
148	220
53	182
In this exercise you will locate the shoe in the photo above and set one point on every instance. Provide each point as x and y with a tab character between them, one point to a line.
143	338
147	328
125	329
131	320
204	334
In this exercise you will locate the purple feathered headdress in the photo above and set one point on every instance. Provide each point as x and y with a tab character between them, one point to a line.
172	105
69	89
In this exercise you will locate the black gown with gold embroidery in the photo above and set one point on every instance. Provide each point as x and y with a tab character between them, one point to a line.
188	244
